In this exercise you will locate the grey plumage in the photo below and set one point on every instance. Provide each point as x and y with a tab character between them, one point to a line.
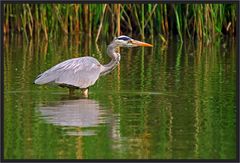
79	72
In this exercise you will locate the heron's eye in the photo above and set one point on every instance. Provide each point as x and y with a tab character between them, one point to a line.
129	41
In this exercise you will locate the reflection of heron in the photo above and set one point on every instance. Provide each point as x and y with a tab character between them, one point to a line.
84	71
83	113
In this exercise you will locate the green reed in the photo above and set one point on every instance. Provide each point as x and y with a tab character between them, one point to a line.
201	21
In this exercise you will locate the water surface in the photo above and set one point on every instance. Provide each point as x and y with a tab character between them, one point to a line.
166	102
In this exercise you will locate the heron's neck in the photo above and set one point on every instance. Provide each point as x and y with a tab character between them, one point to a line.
111	51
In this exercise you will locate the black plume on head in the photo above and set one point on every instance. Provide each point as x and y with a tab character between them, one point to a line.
125	38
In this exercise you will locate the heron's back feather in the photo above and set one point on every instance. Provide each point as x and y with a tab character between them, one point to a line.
80	72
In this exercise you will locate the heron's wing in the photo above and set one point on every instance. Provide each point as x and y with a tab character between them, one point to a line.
80	72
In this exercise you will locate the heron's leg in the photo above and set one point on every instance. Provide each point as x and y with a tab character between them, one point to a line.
85	92
71	91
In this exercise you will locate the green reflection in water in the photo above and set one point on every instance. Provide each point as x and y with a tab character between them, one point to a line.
160	103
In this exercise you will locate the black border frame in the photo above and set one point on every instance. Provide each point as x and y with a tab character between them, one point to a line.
2	2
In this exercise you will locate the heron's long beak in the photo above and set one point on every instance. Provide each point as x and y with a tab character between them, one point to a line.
139	43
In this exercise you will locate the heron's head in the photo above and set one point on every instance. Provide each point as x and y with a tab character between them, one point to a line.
125	41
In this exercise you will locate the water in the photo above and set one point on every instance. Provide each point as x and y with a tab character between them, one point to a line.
165	102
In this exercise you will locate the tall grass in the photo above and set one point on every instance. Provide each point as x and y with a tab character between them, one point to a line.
196	21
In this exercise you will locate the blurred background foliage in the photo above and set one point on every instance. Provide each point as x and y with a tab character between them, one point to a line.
196	21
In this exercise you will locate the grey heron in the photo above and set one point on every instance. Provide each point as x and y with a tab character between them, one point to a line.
83	72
